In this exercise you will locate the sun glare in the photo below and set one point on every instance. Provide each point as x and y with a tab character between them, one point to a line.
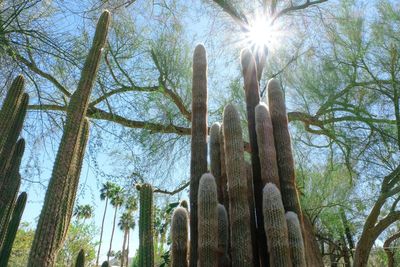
261	34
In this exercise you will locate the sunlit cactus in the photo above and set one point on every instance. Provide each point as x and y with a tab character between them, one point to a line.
275	227
208	222
180	238
239	213
198	162
60	196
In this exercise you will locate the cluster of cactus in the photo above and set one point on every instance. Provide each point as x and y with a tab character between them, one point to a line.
238	216
61	192
12	115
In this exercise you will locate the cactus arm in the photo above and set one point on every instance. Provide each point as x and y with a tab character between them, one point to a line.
223	237
296	243
215	159
179	238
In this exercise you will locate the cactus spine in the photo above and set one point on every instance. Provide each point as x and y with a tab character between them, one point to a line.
252	93
179	237
146	244
207	221
59	200
239	213
266	146
215	159
275	227
12	229
296	243
80	260
223	237
198	162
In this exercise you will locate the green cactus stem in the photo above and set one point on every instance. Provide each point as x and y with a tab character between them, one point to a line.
146	244
266	146
215	159
208	222
252	94
283	147
239	212
296	243
223	177
54	218
223	237
80	260
12	229
275	227
179	238
105	264
198	161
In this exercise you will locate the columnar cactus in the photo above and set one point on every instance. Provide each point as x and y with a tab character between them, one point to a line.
10	182
252	94
239	213
283	147
296	243
146	226
215	159
266	146
12	229
105	264
223	177
207	222
179	238
198	161
275	227
223	237
55	215
80	260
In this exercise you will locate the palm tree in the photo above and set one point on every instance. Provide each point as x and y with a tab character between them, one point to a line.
105	194
131	205
83	212
117	199
126	222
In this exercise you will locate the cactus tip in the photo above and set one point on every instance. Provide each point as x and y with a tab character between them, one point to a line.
273	85
246	58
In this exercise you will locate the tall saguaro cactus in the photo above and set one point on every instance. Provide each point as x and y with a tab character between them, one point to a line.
57	208
239	213
208	221
275	227
146	225
198	161
252	94
179	237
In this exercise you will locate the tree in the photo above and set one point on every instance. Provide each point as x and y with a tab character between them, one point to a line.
105	194
83	212
116	200
126	223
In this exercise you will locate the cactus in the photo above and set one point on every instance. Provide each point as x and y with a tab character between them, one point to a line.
207	221
266	146
184	204
283	147
296	243
59	200
215	159
179	237
275	227
80	260
11	137
252	93
12	229
9	186
223	237
223	178
105	264
198	161
9	110
239	213
146	244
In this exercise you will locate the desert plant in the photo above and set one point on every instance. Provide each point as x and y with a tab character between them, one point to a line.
146	229
179	237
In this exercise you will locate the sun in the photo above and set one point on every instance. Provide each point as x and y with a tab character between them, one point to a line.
262	35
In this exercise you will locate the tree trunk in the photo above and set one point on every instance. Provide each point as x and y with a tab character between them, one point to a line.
112	235
362	251
101	232
123	249
127	250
